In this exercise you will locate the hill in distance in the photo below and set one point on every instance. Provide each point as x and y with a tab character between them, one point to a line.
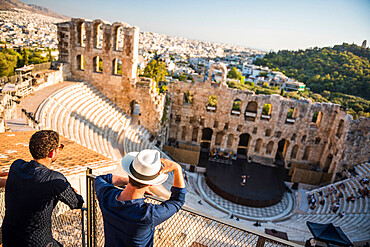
11	4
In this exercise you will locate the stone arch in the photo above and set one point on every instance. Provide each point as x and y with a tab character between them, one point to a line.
251	111
293	137
328	161
81	34
188	97
98	34
269	147
258	145
316	118
244	140
217	66
80	62
340	128
183	133
317	140
266	111
307	152
303	139
118	38
294	153
219	137
212	103
230	140
117	67
283	145
194	136
235	110
98	64
291	115
206	138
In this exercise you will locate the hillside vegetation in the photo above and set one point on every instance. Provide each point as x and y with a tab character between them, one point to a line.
340	74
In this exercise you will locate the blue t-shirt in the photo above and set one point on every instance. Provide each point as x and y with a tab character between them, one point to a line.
132	223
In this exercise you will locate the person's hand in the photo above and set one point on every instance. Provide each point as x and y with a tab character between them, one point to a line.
168	166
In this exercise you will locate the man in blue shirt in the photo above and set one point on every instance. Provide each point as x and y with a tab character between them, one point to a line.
128	220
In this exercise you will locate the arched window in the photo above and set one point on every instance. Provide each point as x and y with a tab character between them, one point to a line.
317	140
212	103
266	112
183	133
236	107
303	139
251	111
219	137
188	97
80	62
81	30
117	67
118	39
307	152
316	118
269	147
194	136
293	137
293	155
258	146
98	36
328	161
291	115
98	64
230	140
340	128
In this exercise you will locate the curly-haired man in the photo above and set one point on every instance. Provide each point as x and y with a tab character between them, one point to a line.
31	192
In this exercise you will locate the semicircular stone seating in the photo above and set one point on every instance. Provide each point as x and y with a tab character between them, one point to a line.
355	216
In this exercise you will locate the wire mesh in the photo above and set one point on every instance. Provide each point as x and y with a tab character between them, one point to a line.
187	228
66	223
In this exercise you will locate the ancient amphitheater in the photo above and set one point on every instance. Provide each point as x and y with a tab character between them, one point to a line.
113	112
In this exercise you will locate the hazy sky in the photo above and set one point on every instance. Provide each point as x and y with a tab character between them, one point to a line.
261	24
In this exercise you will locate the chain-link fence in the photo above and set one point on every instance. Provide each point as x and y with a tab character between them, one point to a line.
185	228
66	223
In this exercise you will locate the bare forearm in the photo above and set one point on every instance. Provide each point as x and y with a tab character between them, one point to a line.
178	180
119	181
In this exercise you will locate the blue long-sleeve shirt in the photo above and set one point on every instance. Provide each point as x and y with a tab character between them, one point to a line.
132	223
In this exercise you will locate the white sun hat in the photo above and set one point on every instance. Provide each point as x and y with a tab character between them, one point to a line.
144	166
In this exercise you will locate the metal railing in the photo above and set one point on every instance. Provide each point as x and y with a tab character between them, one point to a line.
186	228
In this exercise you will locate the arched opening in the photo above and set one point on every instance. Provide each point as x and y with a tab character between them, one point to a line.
317	140
212	103
340	128
307	152
293	155
269	147
194	136
188	97
291	115
243	145
235	110
316	118
251	111
98	64
266	112
219	137
293	137
206	139
303	139
81	30
230	140
80	62
117	66
118	39
98	36
258	146
281	151
183	133
328	161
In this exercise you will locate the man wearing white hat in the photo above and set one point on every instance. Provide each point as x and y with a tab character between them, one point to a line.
128	220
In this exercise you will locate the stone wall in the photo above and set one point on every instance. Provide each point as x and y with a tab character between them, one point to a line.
116	45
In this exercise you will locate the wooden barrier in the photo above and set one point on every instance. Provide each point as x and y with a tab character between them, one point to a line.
310	177
183	155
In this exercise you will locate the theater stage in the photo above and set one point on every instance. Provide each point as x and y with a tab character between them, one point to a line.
264	186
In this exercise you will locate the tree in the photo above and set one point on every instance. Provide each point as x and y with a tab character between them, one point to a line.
212	100
8	62
156	70
235	74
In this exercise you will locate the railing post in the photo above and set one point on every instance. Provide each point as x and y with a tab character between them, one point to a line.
261	241
89	208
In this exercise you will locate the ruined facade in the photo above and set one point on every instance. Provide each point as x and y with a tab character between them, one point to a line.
206	113
106	55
